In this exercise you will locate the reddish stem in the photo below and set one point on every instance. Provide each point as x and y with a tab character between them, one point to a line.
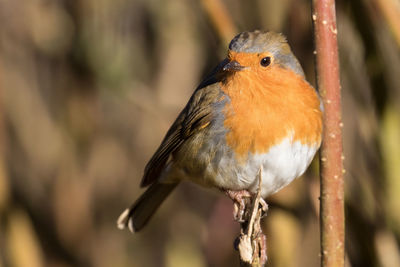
331	160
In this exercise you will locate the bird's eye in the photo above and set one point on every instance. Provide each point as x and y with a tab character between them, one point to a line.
265	61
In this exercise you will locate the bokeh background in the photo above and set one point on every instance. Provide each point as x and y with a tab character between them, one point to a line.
89	88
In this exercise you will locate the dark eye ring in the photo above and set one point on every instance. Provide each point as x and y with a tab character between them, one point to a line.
265	61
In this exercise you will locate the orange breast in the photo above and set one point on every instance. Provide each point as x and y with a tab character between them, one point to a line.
268	107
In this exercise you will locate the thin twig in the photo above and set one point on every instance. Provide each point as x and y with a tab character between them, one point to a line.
255	205
252	241
332	191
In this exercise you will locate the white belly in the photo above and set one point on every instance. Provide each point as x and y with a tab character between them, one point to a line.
281	165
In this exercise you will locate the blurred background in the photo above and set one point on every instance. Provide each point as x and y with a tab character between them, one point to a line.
90	87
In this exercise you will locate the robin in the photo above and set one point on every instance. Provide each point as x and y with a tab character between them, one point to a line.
254	111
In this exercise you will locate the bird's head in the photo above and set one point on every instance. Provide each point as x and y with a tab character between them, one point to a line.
260	51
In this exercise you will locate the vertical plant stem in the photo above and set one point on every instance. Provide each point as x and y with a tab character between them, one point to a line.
331	159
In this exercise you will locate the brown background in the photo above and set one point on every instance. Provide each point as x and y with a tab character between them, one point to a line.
89	88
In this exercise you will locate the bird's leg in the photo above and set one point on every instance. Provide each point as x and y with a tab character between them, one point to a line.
239	203
239	199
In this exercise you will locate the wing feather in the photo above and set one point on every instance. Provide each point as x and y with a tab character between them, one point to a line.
196	116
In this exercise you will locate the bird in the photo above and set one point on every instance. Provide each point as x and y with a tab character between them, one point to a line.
255	110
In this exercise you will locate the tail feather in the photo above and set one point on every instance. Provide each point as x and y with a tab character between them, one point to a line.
137	216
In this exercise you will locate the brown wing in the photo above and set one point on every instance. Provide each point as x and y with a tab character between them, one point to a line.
195	117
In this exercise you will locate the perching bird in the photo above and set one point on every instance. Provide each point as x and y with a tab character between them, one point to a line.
255	109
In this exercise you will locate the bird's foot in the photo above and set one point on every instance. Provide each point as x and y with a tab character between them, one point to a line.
240	199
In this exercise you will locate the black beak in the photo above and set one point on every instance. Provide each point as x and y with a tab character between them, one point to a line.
233	66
